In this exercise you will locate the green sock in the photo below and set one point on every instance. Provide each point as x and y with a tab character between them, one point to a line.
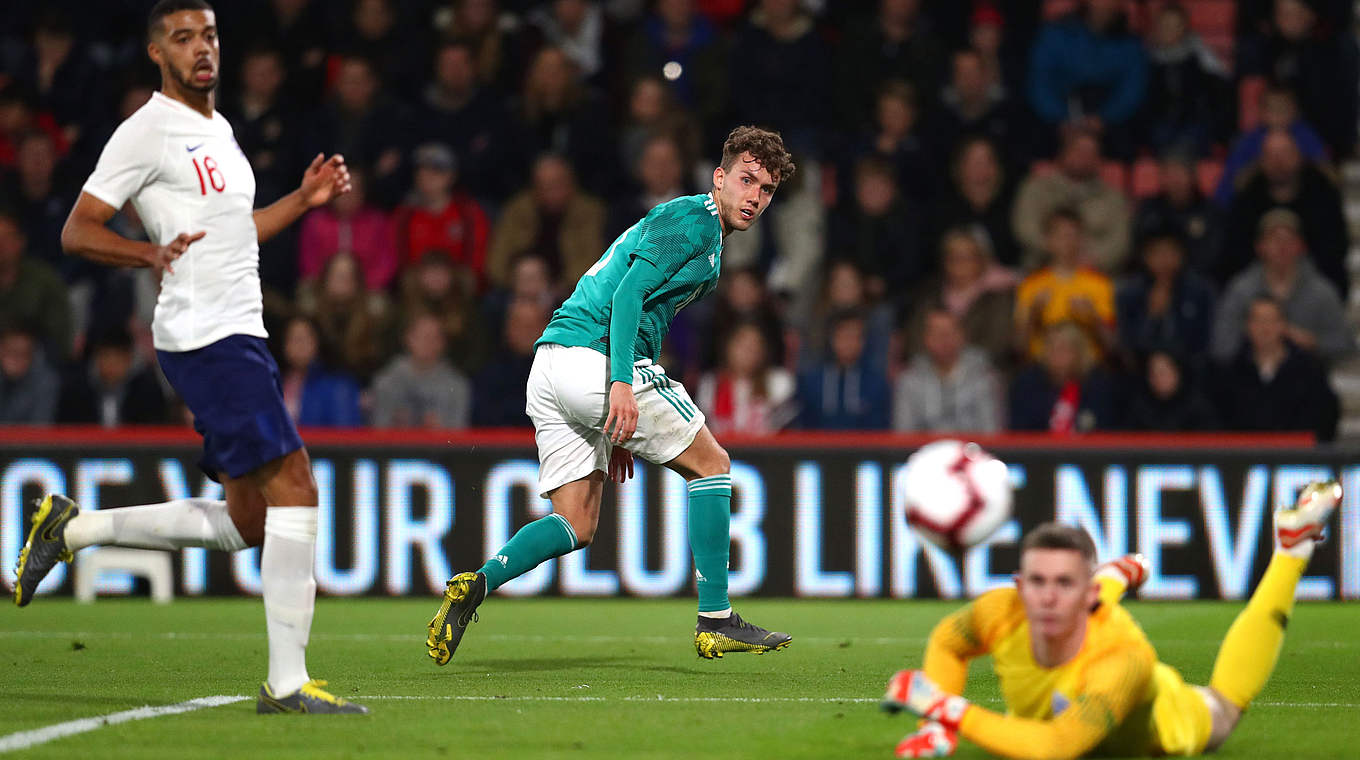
531	546
710	514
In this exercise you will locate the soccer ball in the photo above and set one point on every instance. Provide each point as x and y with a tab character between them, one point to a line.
956	494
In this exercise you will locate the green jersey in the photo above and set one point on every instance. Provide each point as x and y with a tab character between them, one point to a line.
682	238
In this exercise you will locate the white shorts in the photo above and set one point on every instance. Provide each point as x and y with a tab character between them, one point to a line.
568	400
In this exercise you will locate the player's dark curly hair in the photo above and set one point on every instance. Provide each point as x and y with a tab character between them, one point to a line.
766	147
1052	535
166	7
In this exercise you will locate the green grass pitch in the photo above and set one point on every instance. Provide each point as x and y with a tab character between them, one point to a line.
561	678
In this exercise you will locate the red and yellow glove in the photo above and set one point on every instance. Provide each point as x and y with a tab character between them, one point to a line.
931	740
912	691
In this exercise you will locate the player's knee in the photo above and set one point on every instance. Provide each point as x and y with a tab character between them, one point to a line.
719	463
584	530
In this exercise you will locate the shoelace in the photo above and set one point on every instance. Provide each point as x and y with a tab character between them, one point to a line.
313	688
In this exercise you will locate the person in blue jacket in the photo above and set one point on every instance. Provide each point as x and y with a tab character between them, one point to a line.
315	396
1086	70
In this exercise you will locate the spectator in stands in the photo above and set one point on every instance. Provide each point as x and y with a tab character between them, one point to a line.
316	395
554	219
298	29
1189	103
746	394
846	292
1315	319
1182	210
881	232
499	49
18	115
437	286
439	216
950	386
653	112
1065	292
1285	180
265	124
677	42
114	388
29	387
972	288
471	118
1088	73
895	43
1003	41
558	114
1168	400
33	194
1165	304
980	197
1271	384
498	390
781	68
349	316
420	388
367	127
350	225
397	50
1318	64
575	26
31	292
1279	110
742	299
898	139
659	175
1066	392
1077	184
61	74
847	392
976	104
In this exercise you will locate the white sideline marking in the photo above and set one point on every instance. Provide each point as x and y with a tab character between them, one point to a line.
419	634
26	739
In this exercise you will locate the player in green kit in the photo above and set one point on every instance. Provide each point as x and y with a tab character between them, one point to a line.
588	392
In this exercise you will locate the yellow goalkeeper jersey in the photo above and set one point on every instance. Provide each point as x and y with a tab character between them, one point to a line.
1113	698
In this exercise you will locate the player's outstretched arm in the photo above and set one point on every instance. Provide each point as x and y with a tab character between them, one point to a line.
323	180
86	235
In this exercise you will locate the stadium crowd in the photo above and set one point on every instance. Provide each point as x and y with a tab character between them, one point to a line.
1050	216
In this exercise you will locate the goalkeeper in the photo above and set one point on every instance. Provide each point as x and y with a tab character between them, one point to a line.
1077	673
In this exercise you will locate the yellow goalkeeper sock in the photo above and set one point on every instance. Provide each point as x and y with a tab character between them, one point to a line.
1253	643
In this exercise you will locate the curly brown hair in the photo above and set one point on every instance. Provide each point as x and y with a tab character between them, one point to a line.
766	147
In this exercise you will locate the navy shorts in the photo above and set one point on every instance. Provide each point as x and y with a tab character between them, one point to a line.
232	387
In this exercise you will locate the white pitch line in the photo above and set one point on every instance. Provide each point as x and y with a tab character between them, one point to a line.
26	739
515	637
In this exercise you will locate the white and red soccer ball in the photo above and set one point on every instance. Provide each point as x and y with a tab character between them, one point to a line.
957	495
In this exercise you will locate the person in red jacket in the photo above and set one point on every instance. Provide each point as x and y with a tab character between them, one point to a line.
440	217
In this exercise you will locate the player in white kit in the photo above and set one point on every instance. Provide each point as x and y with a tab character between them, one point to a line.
176	161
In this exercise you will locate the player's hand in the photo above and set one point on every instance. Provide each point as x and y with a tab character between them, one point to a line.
621	422
931	740
326	178
163	256
620	464
912	691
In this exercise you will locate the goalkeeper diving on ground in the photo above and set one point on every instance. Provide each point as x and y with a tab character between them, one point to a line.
1078	675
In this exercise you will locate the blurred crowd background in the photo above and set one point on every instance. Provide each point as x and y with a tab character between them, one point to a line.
1024	215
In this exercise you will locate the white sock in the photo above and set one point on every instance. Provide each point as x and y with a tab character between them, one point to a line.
172	525
718	615
289	593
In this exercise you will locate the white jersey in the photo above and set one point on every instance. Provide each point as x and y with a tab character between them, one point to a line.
184	172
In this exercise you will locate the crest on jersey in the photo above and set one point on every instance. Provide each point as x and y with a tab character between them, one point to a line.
1060	703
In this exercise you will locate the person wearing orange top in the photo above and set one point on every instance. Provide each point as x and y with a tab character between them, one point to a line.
1065	290
1078	674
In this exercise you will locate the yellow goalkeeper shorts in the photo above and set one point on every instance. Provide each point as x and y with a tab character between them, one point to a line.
1181	721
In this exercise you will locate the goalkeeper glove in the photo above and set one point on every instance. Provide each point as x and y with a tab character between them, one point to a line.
912	691
931	740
